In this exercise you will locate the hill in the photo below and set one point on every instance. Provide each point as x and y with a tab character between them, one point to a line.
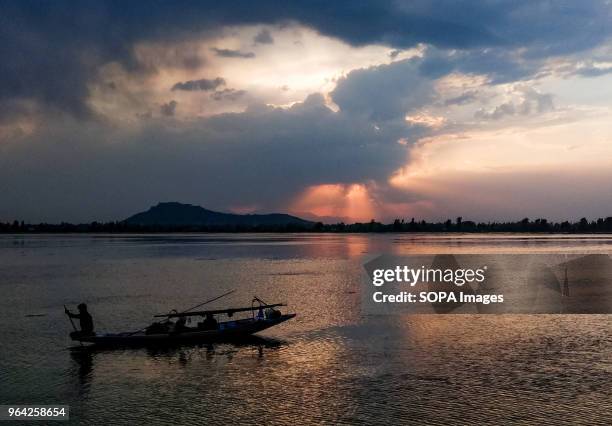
173	214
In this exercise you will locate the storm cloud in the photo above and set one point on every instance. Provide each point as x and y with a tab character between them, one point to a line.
68	42
67	155
384	92
217	162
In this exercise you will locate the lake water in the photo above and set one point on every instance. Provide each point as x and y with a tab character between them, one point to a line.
331	364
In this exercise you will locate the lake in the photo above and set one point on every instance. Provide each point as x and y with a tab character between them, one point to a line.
331	364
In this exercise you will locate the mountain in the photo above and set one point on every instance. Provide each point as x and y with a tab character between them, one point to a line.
175	214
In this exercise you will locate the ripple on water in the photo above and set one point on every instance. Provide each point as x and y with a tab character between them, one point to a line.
329	365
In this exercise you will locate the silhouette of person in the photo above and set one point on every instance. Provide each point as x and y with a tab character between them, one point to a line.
85	319
181	325
210	323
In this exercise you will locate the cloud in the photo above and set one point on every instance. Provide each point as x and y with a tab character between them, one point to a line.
202	84
497	64
385	92
263	156
39	39
593	71
229	53
180	55
498	112
228	95
530	102
263	37
168	109
462	99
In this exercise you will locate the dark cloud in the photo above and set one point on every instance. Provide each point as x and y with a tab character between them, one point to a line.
168	109
263	156
67	42
229	53
51	52
263	37
499	65
202	84
228	95
385	92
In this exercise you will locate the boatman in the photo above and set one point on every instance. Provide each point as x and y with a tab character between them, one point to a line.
85	319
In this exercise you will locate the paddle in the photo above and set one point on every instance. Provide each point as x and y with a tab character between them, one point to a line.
71	322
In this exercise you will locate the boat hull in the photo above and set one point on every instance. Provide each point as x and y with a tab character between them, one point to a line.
227	331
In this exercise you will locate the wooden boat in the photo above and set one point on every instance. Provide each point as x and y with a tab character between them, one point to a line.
166	332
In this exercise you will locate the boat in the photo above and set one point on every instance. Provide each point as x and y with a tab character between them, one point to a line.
167	332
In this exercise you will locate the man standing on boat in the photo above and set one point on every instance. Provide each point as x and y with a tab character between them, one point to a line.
85	319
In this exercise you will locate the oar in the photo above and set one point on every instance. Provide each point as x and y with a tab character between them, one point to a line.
71	322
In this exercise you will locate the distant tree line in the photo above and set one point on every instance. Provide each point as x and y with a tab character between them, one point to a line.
459	225
123	227
399	225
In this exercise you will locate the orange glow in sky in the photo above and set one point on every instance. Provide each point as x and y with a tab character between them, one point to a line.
336	200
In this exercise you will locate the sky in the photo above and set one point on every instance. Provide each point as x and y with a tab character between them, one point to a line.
343	110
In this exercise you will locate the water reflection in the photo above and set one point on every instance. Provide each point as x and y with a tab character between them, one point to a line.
330	365
181	355
84	360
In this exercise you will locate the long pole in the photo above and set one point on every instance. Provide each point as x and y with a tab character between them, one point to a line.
192	308
208	301
72	322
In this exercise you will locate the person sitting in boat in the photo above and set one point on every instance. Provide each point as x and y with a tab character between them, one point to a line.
181	325
85	320
209	323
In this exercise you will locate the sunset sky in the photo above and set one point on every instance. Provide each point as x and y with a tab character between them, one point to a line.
338	110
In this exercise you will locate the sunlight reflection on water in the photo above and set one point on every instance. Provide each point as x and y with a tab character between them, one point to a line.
331	364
